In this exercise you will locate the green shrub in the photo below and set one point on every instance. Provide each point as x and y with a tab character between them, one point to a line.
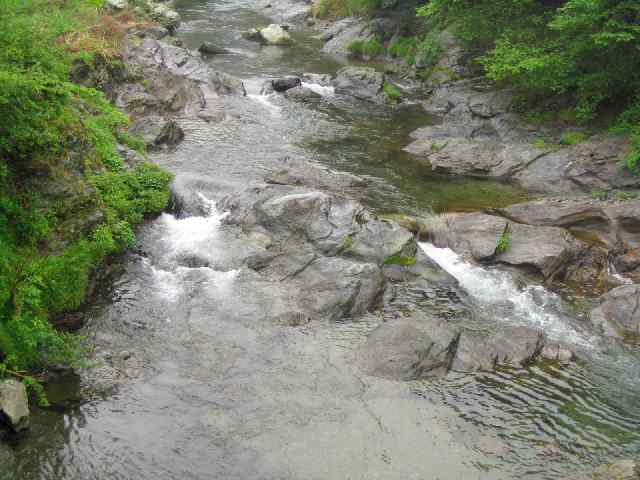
504	242
572	138
392	91
405	48
400	260
429	50
366	48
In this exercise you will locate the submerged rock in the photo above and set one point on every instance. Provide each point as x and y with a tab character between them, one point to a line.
303	95
14	405
619	313
208	48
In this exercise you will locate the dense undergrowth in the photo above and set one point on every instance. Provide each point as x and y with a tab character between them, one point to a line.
54	132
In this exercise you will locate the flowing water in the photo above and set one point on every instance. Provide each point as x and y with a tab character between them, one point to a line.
206	389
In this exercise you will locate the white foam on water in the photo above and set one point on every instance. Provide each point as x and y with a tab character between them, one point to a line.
325	91
193	235
617	275
265	101
533	305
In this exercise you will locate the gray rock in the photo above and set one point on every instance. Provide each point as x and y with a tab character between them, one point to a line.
303	95
14	405
619	313
208	48
363	83
7	458
156	131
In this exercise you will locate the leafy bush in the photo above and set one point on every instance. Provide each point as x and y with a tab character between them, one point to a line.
366	48
405	48
392	91
572	138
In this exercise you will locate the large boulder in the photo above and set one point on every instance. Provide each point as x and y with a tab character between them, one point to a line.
619	313
363	83
581	216
546	250
14	405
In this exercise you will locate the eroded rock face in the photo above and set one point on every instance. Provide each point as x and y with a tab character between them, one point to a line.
619	313
363	83
14	405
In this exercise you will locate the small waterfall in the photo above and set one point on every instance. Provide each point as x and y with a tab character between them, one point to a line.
191	249
498	293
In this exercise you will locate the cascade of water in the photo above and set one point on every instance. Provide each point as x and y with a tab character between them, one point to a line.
532	305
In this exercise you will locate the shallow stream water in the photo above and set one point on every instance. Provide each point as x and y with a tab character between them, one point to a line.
210	391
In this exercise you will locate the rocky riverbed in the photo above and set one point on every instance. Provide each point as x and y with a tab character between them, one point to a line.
286	319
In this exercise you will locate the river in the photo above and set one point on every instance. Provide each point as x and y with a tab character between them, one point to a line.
207	390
